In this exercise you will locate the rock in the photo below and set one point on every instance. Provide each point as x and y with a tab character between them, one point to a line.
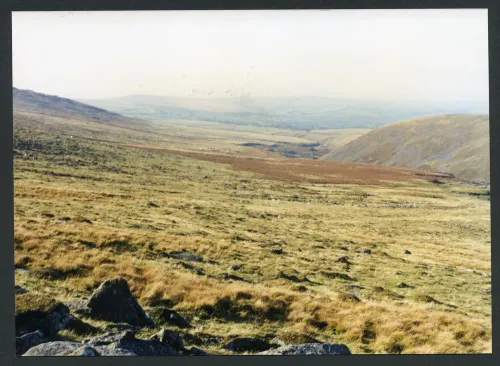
114	301
367	251
57	348
277	251
228	276
114	351
344	248
172	317
186	256
29	340
309	349
195	351
116	344
344	259
109	338
235	267
170	337
404	285
407	251
144	347
84	351
247	344
19	290
48	320
342	276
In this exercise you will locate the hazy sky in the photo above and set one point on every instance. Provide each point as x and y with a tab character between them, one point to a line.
381	54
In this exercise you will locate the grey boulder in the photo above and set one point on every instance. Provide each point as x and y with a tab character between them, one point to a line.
113	301
309	349
29	340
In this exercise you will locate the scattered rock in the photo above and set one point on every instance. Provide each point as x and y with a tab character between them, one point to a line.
301	288
292	278
277	251
164	315
49	320
169	337
309	349
344	259
187	256
235	267
195	351
407	251
152	204
280	217
29	340
84	220
47	214
342	276
228	276
114	301
367	251
63	219
126	341
247	345
404	285
19	290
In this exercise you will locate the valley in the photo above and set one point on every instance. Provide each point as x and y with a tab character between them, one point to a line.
381	259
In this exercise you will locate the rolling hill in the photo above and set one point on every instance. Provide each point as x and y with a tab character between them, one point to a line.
298	113
30	101
451	143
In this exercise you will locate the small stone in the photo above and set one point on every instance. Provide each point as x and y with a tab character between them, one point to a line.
169	337
247	344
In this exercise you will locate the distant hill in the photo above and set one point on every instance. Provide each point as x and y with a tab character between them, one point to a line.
27	100
299	113
451	143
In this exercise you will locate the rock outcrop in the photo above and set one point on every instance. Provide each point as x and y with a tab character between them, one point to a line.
113	301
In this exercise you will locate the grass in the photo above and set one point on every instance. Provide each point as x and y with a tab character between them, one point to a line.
100	209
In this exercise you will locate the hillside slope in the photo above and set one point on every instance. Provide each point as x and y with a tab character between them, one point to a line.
452	143
27	100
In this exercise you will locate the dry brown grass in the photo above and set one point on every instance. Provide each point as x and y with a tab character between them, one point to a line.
231	217
309	170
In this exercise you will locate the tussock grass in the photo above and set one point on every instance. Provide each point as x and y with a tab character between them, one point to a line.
78	224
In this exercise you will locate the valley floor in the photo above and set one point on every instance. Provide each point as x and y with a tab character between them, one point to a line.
392	264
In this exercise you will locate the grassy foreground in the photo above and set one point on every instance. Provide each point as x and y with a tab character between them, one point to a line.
280	258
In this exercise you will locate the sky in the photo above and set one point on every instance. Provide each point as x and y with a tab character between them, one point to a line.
361	54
